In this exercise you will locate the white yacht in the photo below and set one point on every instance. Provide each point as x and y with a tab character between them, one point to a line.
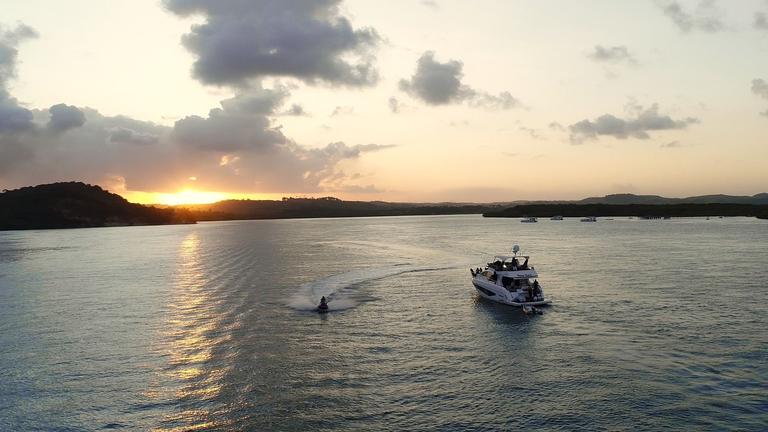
510	280
556	218
529	220
589	219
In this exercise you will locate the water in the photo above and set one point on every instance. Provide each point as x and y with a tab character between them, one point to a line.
656	325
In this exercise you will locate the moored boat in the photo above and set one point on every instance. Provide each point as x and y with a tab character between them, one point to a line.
529	220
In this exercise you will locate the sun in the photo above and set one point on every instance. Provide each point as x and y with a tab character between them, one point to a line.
190	196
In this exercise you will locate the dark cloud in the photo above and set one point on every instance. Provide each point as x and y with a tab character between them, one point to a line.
13	117
672	144
438	83
305	39
645	121
64	117
227	131
704	18
614	54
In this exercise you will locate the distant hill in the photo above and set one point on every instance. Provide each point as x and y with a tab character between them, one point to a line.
640	210
757	199
78	205
289	208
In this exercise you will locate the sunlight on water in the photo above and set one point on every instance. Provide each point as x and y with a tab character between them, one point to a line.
192	321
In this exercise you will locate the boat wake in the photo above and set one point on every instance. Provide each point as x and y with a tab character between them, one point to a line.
342	290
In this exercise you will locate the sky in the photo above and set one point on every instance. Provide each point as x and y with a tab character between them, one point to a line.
178	101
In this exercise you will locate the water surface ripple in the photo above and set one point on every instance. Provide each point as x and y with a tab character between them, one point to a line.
657	325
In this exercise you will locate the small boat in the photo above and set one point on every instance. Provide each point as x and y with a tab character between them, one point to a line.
509	281
589	219
556	218
529	220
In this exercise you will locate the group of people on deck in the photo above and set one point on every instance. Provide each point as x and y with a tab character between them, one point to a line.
513	265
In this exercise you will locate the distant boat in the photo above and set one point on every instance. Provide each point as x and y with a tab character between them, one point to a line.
589	219
556	218
529	220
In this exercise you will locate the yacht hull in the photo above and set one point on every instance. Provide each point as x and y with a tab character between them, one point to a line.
498	294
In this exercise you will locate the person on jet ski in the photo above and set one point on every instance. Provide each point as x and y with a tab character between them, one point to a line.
323	303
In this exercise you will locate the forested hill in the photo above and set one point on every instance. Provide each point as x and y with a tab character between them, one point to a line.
78	205
288	208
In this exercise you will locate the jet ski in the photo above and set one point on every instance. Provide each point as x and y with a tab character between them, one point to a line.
323	306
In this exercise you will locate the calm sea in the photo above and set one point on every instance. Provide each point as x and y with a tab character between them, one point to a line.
657	325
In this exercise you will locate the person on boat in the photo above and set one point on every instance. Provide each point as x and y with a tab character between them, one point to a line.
525	264
323	303
514	264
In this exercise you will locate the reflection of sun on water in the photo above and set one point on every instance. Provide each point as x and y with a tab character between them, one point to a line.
192	320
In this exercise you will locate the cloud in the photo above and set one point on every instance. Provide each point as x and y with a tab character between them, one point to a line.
645	121
704	18
614	54
394	105
760	88
342	110
130	136
533	133
294	110
432	4
14	118
9	42
236	147
227	131
555	126
438	83
761	21
256	100
65	117
309	40
672	144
